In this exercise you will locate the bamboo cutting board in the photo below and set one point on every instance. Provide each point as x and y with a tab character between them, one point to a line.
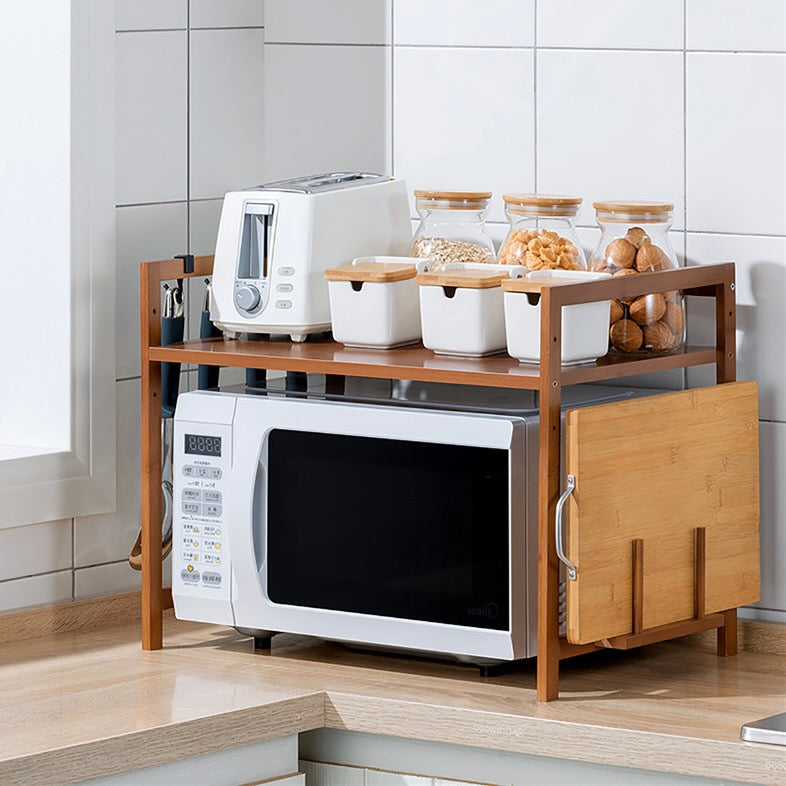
656	468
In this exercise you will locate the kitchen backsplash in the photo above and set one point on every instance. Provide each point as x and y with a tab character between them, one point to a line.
679	100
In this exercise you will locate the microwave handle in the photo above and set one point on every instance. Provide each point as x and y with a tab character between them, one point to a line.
559	528
257	524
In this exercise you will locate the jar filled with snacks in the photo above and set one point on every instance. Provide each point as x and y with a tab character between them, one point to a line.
542	233
452	227
635	241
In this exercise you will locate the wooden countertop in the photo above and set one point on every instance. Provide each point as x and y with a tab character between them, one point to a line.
83	705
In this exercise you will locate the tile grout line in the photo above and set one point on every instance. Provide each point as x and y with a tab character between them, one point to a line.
684	371
535	94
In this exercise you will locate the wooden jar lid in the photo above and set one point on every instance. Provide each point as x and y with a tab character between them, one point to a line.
635	211
463	279
536	284
376	272
457	200
542	204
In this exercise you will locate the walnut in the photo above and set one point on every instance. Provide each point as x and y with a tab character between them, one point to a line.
620	253
617	312
658	337
675	318
651	258
628	271
600	266
626	335
647	309
636	236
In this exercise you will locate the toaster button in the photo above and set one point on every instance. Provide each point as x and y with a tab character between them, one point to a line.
284	288
286	271
283	304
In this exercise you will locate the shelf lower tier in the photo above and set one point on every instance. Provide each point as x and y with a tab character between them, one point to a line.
324	356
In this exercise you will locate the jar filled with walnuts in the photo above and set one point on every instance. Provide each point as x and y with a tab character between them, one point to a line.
635	241
452	227
542	233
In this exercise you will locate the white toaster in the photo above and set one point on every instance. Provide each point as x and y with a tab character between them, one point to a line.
276	240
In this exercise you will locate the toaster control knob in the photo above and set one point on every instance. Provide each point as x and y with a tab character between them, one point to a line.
247	297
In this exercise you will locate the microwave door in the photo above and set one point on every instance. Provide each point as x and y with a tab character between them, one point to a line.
359	537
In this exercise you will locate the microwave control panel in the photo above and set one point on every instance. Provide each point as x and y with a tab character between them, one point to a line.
200	541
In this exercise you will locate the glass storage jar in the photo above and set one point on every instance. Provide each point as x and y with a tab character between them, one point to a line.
635	240
542	232
452	227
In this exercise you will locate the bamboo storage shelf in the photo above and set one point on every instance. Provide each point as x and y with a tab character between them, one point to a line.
418	364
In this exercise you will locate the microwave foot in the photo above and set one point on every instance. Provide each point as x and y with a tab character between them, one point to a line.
298	338
262	643
488	670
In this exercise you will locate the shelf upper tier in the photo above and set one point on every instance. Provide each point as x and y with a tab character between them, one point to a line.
324	356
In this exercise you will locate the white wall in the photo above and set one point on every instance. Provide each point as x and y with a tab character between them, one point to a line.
680	100
189	127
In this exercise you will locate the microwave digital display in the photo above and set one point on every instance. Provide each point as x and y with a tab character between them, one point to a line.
201	445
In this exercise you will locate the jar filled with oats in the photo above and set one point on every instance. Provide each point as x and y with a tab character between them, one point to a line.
452	227
635	241
542	232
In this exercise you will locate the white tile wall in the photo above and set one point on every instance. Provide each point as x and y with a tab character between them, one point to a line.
611	24
32	591
463	119
151	14
464	22
325	109
761	318
40	548
151	117
736	165
227	13
327	21
108	537
610	126
103	579
772	449
679	100
226	111
730	25
144	232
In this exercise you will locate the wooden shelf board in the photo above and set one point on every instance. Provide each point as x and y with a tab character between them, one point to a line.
410	363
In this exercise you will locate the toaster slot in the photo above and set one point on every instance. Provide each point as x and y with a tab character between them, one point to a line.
256	241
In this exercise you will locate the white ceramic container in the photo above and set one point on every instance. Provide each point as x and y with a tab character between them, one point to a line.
461	308
374	302
585	327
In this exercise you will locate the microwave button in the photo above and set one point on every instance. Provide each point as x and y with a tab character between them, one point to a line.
190	543
283	304
286	271
211	579
190	576
212	532
192	494
192	508
189	470
284	288
214	511
202	472
191	556
213	496
215	473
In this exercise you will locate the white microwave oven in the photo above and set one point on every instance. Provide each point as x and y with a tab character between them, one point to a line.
399	524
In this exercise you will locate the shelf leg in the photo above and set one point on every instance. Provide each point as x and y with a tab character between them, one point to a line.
152	600
725	331
548	492
727	634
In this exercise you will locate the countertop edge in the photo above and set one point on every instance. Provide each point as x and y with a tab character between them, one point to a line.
597	744
166	743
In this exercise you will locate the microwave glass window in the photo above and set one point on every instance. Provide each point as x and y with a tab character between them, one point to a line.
388	528
201	445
